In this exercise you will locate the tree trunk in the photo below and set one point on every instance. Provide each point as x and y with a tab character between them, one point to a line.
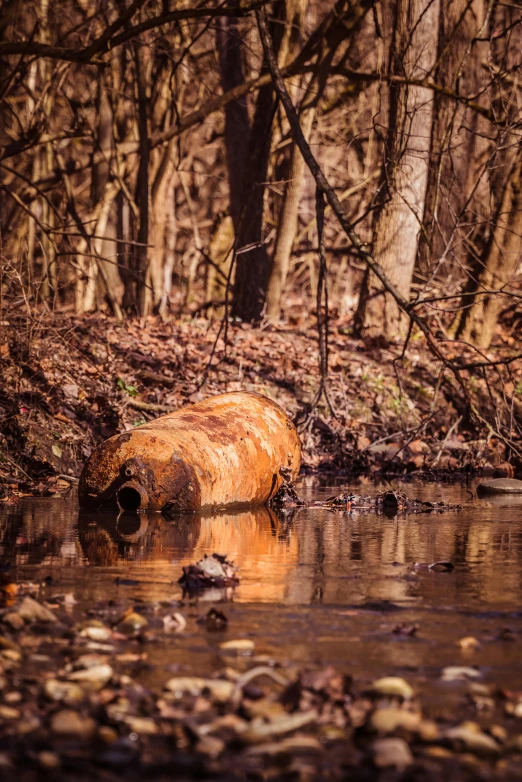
142	62
397	226
288	222
499	266
457	146
248	151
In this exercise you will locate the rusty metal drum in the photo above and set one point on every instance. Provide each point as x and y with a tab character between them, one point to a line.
229	450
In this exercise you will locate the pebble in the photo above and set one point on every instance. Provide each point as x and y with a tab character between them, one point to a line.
469	643
238	645
48	760
211	746
93	678
453	673
468	736
388	720
32	611
8	713
392	686
96	633
219	689
144	726
132	623
14	620
72	723
391	753
63	692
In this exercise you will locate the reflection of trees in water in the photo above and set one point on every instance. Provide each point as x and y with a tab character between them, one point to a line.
38	532
320	556
355	558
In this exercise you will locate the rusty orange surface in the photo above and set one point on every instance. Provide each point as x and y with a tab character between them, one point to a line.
227	450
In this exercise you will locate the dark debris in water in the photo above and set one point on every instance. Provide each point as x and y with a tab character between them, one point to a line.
211	571
386	502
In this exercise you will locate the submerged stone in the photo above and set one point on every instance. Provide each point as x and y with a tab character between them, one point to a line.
391	753
393	687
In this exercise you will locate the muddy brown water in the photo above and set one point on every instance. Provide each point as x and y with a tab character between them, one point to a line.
324	587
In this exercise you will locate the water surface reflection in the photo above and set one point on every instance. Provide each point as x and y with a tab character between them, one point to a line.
319	556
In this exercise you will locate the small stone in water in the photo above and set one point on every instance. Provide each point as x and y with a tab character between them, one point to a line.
132	623
96	633
469	737
32	611
238	645
453	673
63	692
14	620
93	678
71	723
388	720
499	486
391	753
49	760
469	643
219	689
392	686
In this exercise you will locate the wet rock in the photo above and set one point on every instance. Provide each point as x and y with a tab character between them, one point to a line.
106	734
175	622
97	633
293	746
260	731
386	721
49	761
499	486
211	746
8	713
391	753
93	678
219	689
240	645
73	724
469	737
453	673
393	687
469	643
14	620
32	611
143	726
9	650
63	692
132	623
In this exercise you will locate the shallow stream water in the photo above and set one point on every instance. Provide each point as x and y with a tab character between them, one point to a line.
323	587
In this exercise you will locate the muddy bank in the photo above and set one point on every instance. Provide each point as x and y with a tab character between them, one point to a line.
69	383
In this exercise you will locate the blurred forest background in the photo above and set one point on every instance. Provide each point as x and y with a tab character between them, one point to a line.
151	167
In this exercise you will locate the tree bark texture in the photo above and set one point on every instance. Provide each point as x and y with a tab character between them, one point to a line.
500	264
398	223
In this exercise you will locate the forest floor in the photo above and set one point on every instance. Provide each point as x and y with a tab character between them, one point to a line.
68	382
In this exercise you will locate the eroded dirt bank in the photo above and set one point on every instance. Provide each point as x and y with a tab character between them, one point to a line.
68	383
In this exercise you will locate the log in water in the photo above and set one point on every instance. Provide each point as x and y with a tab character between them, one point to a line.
227	450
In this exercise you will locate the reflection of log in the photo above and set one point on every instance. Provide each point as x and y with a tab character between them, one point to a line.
257	540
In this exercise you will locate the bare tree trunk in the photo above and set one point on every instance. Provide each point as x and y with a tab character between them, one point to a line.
237	125
169	262
500	264
142	63
288	221
220	252
457	148
397	226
